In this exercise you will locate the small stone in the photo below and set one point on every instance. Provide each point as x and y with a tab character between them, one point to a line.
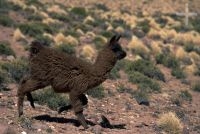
23	132
10	122
10	58
39	130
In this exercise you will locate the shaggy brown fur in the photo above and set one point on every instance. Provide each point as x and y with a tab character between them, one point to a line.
67	74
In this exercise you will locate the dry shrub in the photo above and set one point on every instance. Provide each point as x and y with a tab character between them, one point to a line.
43	14
137	45
19	3
61	39
194	56
56	9
88	52
156	47
18	35
180	53
190	69
153	23
49	21
88	19
119	29
170	123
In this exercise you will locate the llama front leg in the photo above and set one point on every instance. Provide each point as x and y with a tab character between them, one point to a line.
78	108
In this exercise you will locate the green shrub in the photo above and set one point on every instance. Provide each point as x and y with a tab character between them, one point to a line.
80	11
101	7
3	79
34	2
16	69
5	20
144	82
147	68
97	92
189	47
185	95
50	98
99	42
195	24
35	29
122	89
196	87
178	73
141	96
5	49
144	26
114	74
45	40
106	34
34	17
69	49
60	17
167	60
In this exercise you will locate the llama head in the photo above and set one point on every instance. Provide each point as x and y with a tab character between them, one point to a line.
116	47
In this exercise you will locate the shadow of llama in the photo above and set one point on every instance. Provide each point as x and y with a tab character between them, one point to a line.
67	74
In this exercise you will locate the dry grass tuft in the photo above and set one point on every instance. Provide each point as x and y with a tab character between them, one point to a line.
18	35
119	29
56	9
49	21
137	45
190	69
43	14
156	47
19	3
88	19
88	52
170	123
181	53
61	39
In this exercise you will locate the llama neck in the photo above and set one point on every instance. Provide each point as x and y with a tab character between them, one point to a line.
104	63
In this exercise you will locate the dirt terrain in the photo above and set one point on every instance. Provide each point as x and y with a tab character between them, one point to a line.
118	105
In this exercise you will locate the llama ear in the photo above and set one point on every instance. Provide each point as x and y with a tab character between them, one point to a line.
118	37
113	39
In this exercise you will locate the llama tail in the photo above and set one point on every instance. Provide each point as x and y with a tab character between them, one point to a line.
35	48
30	99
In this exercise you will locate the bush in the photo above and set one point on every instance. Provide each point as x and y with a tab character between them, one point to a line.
3	79
60	17
69	49
167	60
114	74
144	82
178	73
170	123
97	92
122	89
99	42
80	11
142	97
147	68
35	29
45	40
185	95
101	7
144	26
50	98
189	47
5	49
16	69
196	87
6	21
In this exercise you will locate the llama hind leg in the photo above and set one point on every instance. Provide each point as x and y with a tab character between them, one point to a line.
78	108
26	86
82	98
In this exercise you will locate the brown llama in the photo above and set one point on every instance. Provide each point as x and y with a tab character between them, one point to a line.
67	74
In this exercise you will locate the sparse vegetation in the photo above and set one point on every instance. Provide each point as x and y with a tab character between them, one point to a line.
196	87
97	92
170	123
80	11
147	68
66	48
48	97
3	79
16	69
144	26
5	20
185	95
5	49
35	29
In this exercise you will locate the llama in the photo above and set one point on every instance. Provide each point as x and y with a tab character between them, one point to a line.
67	74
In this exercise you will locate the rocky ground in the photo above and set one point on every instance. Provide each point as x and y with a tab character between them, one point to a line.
122	110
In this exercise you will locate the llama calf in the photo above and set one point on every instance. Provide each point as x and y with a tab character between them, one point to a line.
67	74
